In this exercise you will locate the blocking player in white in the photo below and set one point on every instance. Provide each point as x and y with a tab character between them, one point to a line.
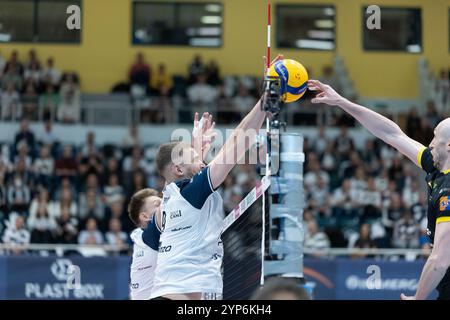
144	211
190	251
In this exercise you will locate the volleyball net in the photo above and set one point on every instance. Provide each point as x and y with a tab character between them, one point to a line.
245	236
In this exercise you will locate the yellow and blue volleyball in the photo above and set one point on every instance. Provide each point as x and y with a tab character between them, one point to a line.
293	77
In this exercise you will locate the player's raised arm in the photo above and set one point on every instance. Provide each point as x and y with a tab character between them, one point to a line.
378	125
235	148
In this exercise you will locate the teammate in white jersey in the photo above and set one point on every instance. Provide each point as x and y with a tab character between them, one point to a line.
190	251
144	211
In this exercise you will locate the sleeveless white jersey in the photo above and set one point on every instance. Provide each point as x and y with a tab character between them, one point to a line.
145	254
190	251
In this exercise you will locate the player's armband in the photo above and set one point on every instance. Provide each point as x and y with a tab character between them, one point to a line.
425	160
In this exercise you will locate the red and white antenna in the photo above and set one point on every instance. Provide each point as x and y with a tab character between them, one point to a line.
268	34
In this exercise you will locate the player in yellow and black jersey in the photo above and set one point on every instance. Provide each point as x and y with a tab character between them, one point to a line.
435	160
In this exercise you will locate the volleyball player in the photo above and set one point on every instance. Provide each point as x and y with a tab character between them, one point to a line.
144	211
435	161
191	251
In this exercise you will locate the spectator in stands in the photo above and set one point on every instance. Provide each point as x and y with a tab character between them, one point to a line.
41	199
131	139
30	100
316	239
406	232
413	123
13	63
91	206
419	209
23	155
432	115
113	191
112	167
140	72
18	195
162	82
321	141
44	167
328	159
134	161
48	137
33	70
314	171
345	203
91	235
411	194
393	213
91	164
137	182
66	227
426	132
213	73
115	236
51	75
65	200
196	68
25	134
49	102
70	105
11	103
364	241
242	100
16	234
90	146
66	165
343	144
370	196
42	225
201	92
12	77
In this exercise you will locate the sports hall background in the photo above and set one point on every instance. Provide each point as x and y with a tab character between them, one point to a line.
81	120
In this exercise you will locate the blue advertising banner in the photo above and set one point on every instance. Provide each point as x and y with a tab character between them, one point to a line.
345	279
33	277
80	278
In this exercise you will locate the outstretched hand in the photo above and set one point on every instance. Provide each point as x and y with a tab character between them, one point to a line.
203	134
327	95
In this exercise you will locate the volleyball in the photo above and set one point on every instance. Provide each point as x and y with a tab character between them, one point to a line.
293	77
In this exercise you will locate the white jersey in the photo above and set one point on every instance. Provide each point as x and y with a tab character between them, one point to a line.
190	251
145	254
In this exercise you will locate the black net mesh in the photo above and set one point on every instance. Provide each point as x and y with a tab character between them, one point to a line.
242	251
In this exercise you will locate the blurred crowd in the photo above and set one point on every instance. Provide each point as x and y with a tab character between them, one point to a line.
38	91
68	194
370	197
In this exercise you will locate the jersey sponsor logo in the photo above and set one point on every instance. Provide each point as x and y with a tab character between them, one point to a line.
134	286
444	204
139	254
175	214
165	199
163	249
179	229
